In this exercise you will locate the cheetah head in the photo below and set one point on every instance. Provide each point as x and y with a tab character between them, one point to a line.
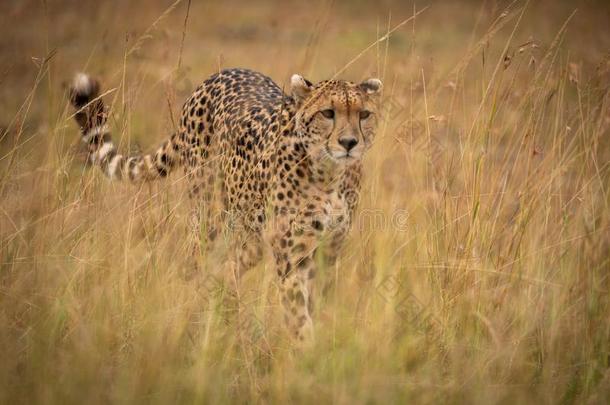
336	119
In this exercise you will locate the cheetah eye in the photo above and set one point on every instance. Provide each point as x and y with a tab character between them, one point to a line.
364	114
330	114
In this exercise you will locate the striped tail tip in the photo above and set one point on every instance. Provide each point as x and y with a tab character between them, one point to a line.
83	89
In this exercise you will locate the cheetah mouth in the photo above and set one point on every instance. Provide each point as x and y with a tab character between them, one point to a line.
342	156
339	156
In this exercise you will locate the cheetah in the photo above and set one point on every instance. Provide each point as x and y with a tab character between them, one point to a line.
287	167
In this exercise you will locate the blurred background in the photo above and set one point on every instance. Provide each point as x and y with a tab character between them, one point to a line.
277	38
478	267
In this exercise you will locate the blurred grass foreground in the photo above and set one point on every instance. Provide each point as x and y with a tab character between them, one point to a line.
478	269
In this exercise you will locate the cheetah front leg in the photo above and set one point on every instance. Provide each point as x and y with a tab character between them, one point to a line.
294	252
331	248
295	291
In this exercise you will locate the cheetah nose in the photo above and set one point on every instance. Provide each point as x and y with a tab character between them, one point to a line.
348	142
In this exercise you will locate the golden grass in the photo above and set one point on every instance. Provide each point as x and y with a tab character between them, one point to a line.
478	267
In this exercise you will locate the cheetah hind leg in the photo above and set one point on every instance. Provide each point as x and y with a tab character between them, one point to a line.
247	252
204	220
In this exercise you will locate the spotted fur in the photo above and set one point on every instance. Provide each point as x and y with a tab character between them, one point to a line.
287	167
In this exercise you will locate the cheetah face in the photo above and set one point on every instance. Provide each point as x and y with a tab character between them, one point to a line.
336	119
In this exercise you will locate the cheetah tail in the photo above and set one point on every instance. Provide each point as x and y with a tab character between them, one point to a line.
91	117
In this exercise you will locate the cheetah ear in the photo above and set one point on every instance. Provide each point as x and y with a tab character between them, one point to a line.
300	87
371	86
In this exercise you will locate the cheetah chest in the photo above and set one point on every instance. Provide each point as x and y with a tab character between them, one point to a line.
332	215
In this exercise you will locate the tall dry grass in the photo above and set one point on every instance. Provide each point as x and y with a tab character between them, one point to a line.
478	267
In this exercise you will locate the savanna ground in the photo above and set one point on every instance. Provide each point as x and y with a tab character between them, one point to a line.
478	269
